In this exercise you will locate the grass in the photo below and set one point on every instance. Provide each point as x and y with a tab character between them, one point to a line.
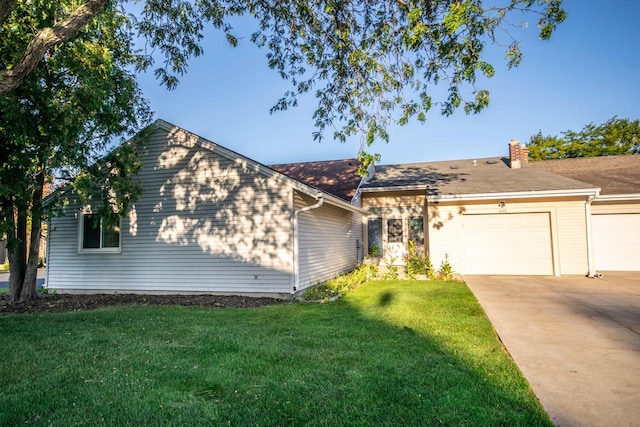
389	353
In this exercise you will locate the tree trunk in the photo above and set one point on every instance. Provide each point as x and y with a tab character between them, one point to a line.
28	291
45	39
17	245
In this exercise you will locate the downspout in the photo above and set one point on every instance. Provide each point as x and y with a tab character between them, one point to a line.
587	211
425	219
296	253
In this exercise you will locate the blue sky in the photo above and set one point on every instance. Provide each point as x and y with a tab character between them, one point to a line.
588	72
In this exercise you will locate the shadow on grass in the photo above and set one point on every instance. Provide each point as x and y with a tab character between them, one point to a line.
425	356
385	299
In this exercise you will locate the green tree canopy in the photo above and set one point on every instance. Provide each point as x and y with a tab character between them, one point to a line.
614	137
368	63
59	121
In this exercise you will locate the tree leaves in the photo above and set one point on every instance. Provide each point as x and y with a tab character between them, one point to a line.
375	63
614	137
63	116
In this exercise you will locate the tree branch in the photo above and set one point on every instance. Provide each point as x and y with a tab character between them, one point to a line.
6	7
45	39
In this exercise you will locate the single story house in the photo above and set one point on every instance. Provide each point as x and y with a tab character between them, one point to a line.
509	215
213	221
209	220
503	215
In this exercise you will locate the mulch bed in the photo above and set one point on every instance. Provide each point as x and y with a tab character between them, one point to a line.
72	302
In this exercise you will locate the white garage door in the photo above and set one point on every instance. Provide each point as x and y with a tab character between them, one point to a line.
507	244
616	242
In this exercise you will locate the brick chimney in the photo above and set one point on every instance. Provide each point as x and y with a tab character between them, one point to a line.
517	154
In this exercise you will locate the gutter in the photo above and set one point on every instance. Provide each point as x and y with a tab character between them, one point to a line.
371	171
296	253
617	197
516	195
490	196
587	212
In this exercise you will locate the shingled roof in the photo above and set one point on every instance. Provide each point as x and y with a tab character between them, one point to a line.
612	174
336	177
469	177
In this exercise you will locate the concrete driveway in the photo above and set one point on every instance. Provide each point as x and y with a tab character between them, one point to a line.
577	341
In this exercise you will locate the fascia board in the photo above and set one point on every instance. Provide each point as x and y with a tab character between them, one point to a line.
617	197
593	192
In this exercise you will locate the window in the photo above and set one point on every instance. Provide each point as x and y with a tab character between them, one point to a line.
95	236
394	230
374	234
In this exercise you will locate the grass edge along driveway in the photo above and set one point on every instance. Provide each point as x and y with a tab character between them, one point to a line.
389	353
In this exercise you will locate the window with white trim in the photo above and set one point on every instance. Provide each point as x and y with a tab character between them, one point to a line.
96	236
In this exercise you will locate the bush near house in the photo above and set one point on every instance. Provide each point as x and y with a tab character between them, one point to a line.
341	285
417	262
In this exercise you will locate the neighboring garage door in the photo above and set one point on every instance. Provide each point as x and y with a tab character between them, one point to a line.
616	242
507	244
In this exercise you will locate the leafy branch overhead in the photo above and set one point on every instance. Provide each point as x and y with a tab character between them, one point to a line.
373	63
369	64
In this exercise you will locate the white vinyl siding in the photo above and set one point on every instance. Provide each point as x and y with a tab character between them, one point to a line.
330	241
204	223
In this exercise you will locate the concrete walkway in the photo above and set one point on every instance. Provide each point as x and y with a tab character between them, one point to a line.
577	341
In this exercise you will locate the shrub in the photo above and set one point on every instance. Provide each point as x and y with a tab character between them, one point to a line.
391	273
445	272
375	251
417	262
341	285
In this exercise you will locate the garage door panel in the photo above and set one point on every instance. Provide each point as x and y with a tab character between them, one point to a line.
507	244
616	242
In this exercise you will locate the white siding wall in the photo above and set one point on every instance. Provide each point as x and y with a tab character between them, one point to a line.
327	241
203	224
616	207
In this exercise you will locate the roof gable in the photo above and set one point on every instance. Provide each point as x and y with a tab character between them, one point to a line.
192	139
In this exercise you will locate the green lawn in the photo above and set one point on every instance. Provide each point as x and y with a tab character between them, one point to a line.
390	353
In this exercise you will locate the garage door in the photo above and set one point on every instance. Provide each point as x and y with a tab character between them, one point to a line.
507	244
616	242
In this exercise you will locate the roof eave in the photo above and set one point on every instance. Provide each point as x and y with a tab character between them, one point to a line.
591	192
398	188
618	197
